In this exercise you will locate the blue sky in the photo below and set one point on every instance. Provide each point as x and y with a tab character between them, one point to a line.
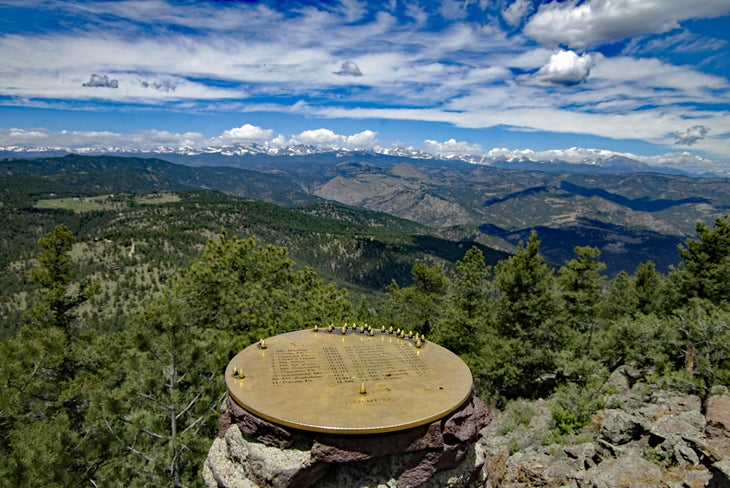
648	78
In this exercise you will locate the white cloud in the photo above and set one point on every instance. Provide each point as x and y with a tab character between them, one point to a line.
362	140
327	138
452	9
564	68
318	137
143	140
584	24
451	147
517	11
244	134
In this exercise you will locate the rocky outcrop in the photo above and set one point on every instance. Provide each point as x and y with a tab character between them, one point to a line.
648	438
251	452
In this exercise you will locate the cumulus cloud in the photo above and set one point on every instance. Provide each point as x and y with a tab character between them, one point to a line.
325	137
564	68
349	68
517	11
451	147
244	134
593	22
101	81
691	135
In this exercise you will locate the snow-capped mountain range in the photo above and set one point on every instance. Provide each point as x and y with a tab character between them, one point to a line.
573	159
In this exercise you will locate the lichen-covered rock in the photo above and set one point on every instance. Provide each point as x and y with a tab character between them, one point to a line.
235	462
619	427
254	452
626	472
252	426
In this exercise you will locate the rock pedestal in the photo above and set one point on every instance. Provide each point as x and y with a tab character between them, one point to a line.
252	452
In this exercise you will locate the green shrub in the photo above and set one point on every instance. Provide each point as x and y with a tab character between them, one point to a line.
572	407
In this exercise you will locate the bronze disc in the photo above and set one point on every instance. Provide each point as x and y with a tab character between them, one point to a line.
348	381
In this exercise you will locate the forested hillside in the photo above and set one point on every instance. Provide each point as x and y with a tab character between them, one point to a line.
631	217
120	312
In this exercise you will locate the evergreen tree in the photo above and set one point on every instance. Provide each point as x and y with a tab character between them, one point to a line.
58	298
704	342
705	268
468	312
620	299
466	321
45	436
527	309
165	413
649	286
416	307
581	283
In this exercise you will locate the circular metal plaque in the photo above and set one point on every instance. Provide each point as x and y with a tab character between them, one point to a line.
348	381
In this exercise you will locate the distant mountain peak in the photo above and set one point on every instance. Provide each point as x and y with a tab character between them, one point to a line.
592	160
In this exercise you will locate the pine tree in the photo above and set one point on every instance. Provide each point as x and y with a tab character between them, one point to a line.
581	284
527	309
165	413
416	307
45	436
705	268
468	311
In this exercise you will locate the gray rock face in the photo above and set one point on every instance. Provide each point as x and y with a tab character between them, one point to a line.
620	427
718	415
648	438
623	378
720	475
627	472
668	434
253	452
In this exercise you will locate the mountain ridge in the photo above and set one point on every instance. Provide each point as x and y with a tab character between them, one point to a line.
243	154
631	217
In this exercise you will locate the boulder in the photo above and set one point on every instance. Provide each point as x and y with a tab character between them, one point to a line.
718	416
678	425
619	427
720	475
587	454
252	426
626	472
346	449
623	378
234	462
668	434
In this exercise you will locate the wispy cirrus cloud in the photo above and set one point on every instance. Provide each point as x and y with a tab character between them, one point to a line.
476	65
